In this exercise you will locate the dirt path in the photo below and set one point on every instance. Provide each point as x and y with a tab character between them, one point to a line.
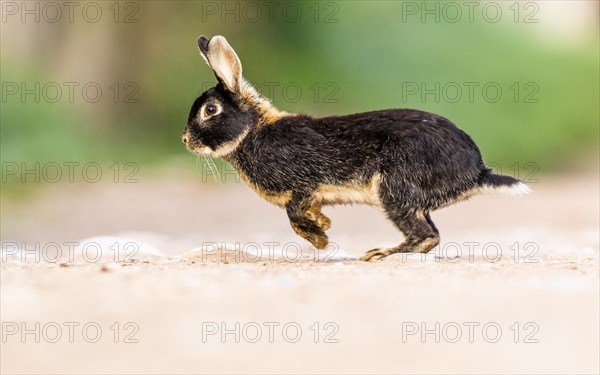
513	288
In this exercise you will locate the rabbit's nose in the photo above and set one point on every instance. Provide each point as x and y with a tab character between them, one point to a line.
184	139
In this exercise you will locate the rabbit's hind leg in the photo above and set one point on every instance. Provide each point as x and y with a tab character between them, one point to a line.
308	221
420	233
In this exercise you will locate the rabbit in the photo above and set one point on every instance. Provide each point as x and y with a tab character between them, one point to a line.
407	162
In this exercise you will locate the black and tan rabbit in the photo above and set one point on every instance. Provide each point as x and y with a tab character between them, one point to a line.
405	161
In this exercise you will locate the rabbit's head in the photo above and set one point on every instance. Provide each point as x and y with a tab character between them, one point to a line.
223	115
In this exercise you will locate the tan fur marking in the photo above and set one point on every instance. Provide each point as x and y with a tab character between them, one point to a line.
267	112
222	150
277	199
317	216
426	246
228	147
350	194
463	196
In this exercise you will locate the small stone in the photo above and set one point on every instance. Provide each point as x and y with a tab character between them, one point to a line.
105	268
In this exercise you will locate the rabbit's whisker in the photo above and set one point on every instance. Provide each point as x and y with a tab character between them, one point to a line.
212	167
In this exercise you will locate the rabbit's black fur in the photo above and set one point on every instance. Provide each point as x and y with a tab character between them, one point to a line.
407	162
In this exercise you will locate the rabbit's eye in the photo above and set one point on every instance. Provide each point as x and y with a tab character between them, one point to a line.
211	110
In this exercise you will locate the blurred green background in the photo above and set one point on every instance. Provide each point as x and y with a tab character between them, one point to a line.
320	58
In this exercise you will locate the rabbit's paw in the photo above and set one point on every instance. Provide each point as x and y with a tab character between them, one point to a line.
319	241
376	254
315	236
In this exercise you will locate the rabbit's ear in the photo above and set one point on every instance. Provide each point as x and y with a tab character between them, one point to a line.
203	45
222	59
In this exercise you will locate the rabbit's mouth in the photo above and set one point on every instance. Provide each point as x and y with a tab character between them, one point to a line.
201	150
206	151
195	148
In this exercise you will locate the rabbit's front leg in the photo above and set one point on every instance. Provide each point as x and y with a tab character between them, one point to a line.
315	214
307	220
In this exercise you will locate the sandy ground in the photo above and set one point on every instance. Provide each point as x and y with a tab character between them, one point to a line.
173	275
